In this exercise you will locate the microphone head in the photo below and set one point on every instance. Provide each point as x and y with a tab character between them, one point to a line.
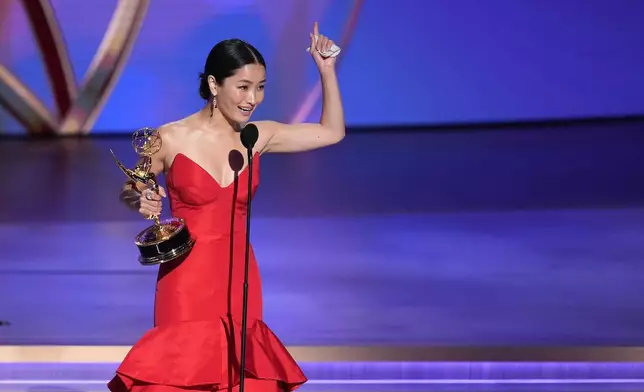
249	135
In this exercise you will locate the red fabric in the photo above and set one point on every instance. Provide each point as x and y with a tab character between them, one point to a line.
196	340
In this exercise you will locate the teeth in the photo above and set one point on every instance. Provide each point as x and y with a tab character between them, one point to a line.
245	110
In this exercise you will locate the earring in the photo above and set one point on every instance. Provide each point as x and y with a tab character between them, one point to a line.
214	105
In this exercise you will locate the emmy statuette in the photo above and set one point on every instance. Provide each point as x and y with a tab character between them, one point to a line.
167	239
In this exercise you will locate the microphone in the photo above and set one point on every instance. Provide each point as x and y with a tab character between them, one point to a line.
249	136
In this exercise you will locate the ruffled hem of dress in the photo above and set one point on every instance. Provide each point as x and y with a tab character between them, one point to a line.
206	354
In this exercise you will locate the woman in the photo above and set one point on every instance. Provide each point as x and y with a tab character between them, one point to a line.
195	342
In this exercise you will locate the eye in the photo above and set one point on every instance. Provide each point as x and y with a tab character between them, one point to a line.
243	87
261	87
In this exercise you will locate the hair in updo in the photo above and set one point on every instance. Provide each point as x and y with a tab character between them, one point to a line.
224	59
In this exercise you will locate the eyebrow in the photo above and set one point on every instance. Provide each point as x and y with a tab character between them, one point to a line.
249	82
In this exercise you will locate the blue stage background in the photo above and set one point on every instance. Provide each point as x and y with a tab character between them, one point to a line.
407	62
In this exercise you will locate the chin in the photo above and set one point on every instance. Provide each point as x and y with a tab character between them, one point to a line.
242	118
237	118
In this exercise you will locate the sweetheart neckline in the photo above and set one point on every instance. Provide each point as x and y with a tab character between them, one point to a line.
239	174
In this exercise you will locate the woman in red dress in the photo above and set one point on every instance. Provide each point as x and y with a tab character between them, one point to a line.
195	341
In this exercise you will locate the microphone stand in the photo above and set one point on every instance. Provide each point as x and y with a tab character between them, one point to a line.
249	136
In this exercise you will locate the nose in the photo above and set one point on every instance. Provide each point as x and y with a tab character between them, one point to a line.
250	97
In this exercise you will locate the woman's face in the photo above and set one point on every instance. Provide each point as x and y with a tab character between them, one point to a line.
239	94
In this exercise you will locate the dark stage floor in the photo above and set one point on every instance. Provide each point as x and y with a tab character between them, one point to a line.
513	237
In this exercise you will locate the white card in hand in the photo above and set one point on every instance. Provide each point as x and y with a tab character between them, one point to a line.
333	51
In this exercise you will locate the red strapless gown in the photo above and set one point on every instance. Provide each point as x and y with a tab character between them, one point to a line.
196	338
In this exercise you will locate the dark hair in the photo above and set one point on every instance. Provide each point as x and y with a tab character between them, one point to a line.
224	59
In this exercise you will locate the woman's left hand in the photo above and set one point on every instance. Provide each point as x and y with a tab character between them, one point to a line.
321	45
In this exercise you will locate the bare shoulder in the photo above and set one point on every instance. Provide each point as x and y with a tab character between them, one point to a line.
173	135
170	131
267	129
267	125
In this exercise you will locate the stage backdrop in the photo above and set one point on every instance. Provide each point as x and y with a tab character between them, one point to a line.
405	61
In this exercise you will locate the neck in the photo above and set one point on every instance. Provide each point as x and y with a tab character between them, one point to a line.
216	121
